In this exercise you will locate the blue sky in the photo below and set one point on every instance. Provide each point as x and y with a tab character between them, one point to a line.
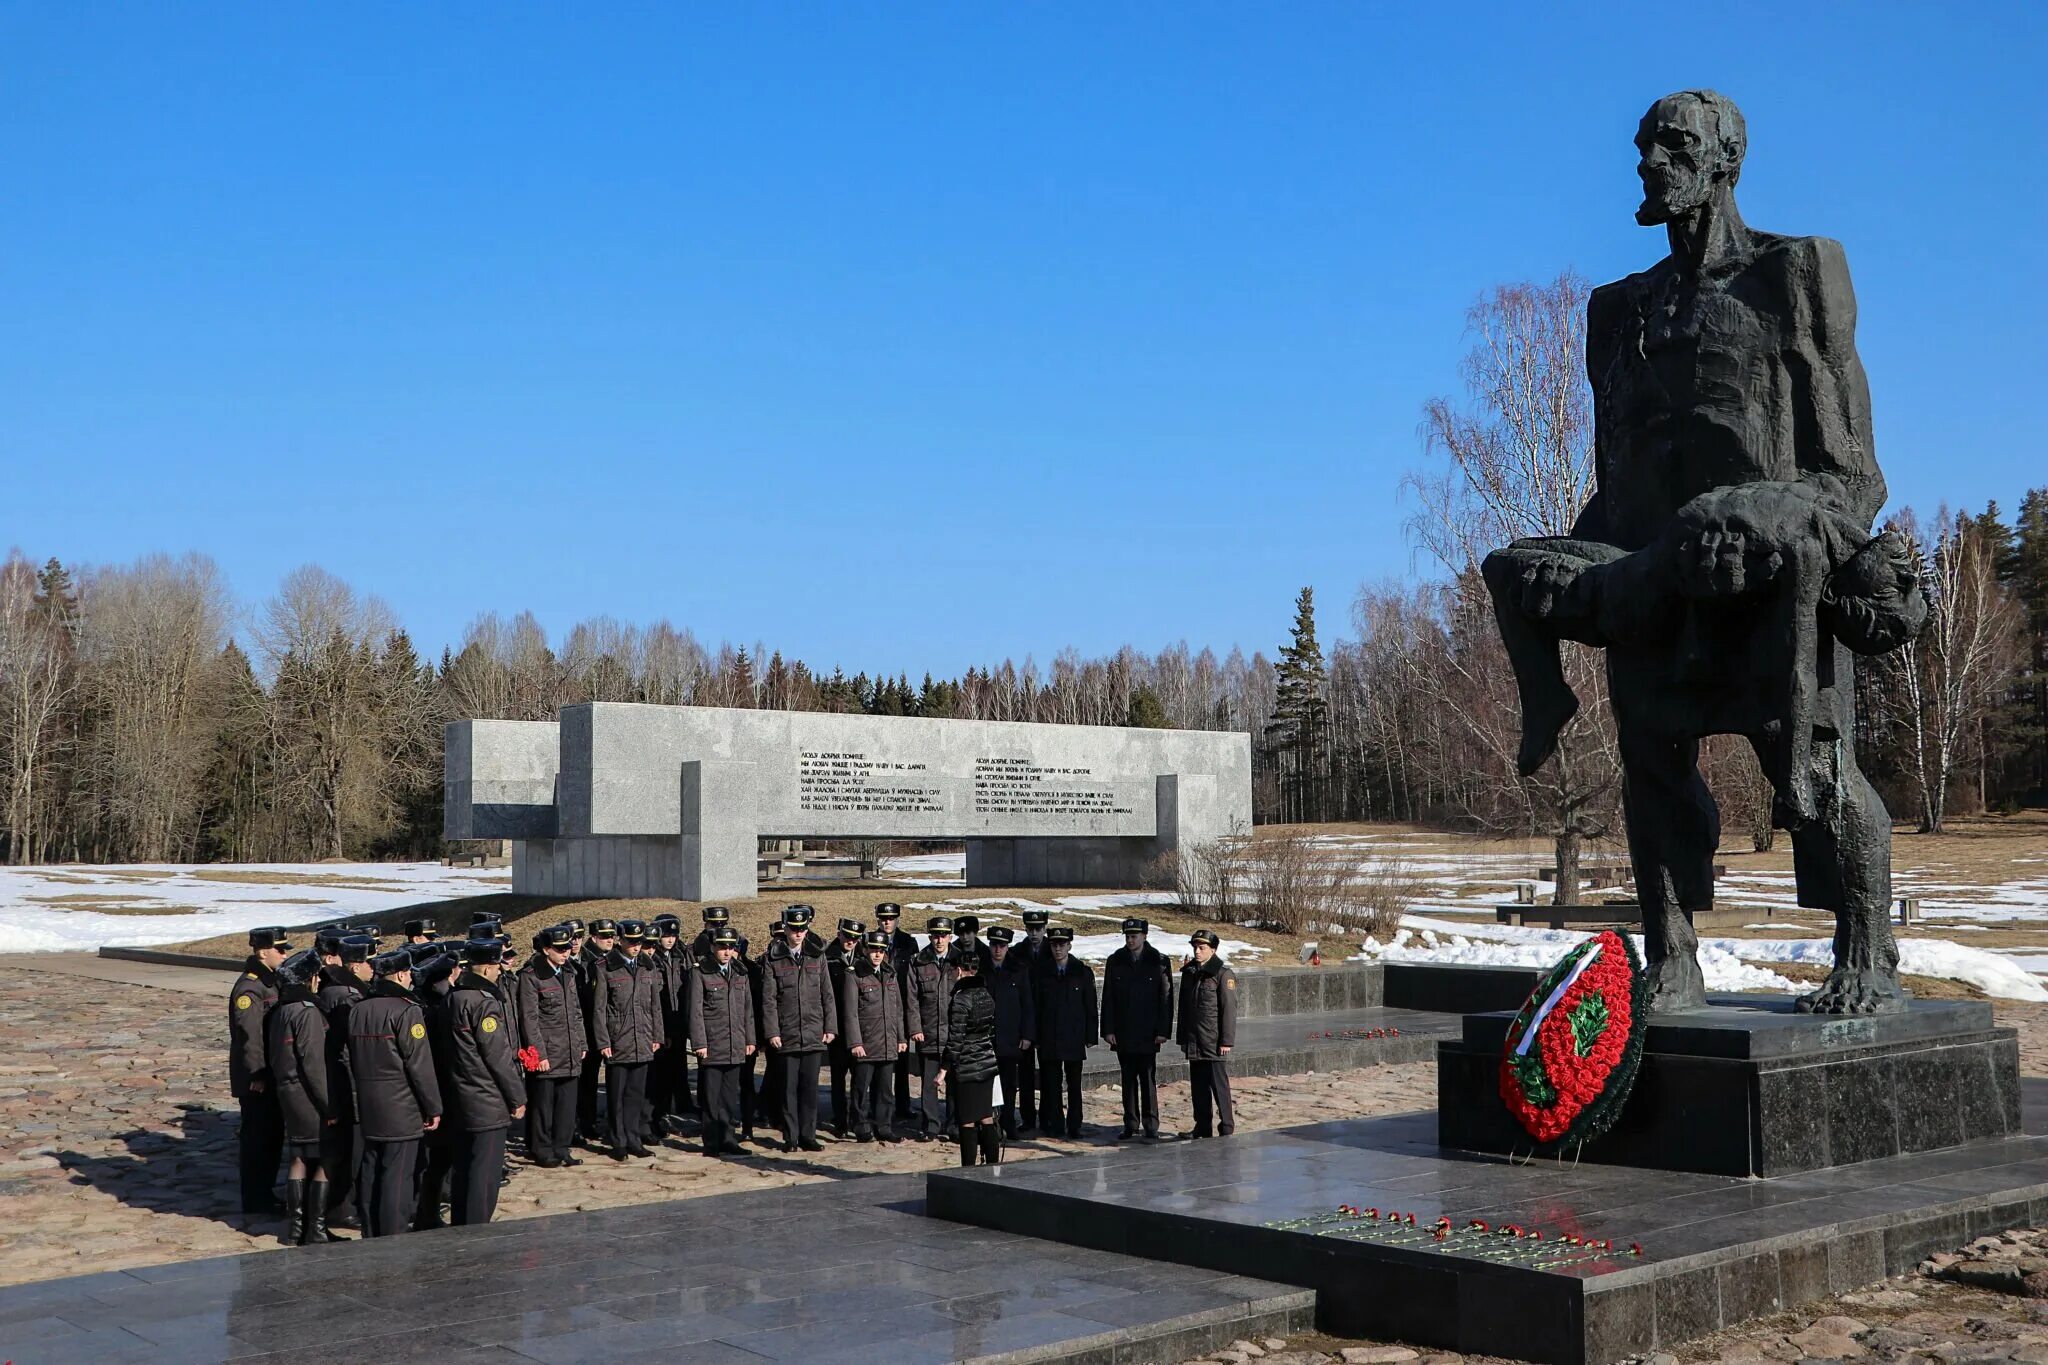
911	336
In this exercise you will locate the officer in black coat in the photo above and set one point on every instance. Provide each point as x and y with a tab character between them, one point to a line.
295	1044
485	1091
1026	956
604	936
842	955
928	989
1208	1030
551	1026
668	1078
722	1030
1137	1019
420	931
1067	1011
871	1013
1016	1021
398	1097
628	1033
717	917
800	1017
902	948
434	969
262	1129
340	986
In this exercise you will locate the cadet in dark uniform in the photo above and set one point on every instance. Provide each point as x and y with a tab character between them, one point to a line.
627	1032
1067	1010
928	989
397	1096
722	1027
434	968
842	956
604	935
295	1044
1026	956
967	939
340	987
420	931
971	1059
485	1090
717	917
801	1018
1137	1019
262	1130
668	1082
1016	1021
551	1023
871	1013
902	948
1208	1030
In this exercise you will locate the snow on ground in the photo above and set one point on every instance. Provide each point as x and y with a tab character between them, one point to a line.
66	908
1065	910
927	869
1730	964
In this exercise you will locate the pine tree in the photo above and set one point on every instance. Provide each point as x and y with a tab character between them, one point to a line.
1298	733
2029	583
1147	711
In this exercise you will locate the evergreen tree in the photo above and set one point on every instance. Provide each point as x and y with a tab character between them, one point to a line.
1147	711
2029	583
1298	734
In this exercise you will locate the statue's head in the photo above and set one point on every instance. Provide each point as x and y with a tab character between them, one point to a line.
1689	147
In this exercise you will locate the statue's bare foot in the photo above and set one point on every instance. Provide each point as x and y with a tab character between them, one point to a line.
1854	990
1543	720
1676	984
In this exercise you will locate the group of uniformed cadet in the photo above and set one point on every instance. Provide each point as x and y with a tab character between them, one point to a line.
392	1079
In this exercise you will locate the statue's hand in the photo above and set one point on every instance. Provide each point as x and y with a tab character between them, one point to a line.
1735	540
1544	581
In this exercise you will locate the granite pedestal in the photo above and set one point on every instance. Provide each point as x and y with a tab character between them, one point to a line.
1716	1250
1748	1087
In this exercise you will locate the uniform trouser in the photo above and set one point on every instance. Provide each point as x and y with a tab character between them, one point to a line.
768	1108
800	1095
432	1172
387	1186
1141	1090
338	1159
625	1102
750	1101
1025	1090
1051	1072
1210	1082
1010	1070
479	1166
719	1088
842	1081
550	1116
902	1069
262	1138
668	1084
586	1096
873	1083
930	1115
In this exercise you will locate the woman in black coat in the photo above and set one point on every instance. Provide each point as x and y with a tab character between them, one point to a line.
295	1045
970	1059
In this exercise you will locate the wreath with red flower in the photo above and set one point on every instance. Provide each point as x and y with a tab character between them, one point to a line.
1574	1047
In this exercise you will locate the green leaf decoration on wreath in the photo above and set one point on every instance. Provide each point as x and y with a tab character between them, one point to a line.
1574	1048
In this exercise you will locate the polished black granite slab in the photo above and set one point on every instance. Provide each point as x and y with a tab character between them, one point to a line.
839	1271
1293	1044
1748	1087
1715	1250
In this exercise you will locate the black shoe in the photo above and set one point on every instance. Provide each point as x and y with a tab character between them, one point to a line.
1151	1135
889	1139
1074	1133
732	1148
863	1137
917	1135
547	1163
1226	1132
620	1154
639	1151
812	1145
1126	1134
570	1161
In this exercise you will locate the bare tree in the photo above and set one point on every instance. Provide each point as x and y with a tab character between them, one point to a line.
1949	679
37	682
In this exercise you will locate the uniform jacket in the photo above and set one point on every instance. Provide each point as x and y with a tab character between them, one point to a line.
393	1065
589	964
482	1078
871	1010
840	962
796	995
1016	1009
722	1023
628	1010
1066	1011
700	947
339	992
971	1031
254	993
1208	1010
675	995
551	1016
295	1038
1137	999
928	990
1023	957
